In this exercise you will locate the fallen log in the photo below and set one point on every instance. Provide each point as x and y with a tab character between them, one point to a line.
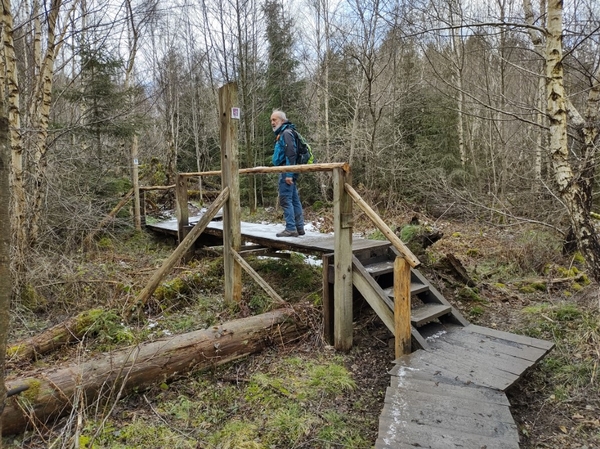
50	394
69	331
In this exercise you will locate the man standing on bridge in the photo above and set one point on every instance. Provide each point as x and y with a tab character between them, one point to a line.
285	154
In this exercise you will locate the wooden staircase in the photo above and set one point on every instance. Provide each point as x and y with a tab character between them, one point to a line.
450	391
373	278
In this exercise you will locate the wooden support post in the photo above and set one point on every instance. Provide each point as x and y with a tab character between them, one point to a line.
402	306
342	290
232	232
260	281
328	306
181	206
183	248
142	207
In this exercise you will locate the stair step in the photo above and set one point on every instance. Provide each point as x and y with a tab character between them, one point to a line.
415	289
383	267
428	312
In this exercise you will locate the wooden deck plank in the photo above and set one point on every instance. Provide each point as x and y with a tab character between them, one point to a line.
469	340
468	425
485	355
404	402
480	375
529	341
434	438
448	388
264	234
478	367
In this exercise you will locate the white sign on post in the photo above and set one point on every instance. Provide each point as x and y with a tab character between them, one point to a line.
235	113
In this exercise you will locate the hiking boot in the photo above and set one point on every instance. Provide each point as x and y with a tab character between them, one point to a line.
300	231
286	233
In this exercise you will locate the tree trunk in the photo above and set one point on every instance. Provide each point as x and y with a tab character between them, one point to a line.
49	393
63	333
576	191
5	277
17	182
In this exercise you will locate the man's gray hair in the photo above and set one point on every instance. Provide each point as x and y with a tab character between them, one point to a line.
279	113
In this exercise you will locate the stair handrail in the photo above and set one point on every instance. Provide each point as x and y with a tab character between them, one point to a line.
402	265
406	253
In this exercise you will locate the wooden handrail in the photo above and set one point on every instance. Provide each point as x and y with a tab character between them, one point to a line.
393	238
172	186
307	168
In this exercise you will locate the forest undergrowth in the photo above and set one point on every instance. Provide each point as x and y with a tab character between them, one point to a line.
305	394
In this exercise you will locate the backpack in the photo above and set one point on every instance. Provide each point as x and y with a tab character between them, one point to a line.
304	151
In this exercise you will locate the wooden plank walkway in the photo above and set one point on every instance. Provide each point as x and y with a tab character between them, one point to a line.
452	395
264	234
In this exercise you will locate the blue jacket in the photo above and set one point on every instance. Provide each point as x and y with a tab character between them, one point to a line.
285	147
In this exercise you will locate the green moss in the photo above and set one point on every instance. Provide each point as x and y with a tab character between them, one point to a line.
469	294
568	272
536	309
578	258
106	326
237	435
533	287
576	286
33	391
31	299
407	233
105	243
15	350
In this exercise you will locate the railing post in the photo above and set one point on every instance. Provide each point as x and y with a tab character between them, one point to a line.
181	206
402	306
232	233
342	293
142	207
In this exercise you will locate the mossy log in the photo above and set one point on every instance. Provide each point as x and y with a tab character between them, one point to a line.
50	394
69	331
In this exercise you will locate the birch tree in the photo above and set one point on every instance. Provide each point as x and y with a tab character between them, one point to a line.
574	177
18	199
5	276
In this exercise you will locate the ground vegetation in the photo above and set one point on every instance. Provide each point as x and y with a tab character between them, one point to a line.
305	394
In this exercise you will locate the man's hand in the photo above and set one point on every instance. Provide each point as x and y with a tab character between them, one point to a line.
289	181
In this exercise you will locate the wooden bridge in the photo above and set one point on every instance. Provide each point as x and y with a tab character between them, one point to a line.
449	392
447	388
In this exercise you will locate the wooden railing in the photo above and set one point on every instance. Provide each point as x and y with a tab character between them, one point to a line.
343	196
402	266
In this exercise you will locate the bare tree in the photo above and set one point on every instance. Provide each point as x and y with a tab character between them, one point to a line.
574	179
5	276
